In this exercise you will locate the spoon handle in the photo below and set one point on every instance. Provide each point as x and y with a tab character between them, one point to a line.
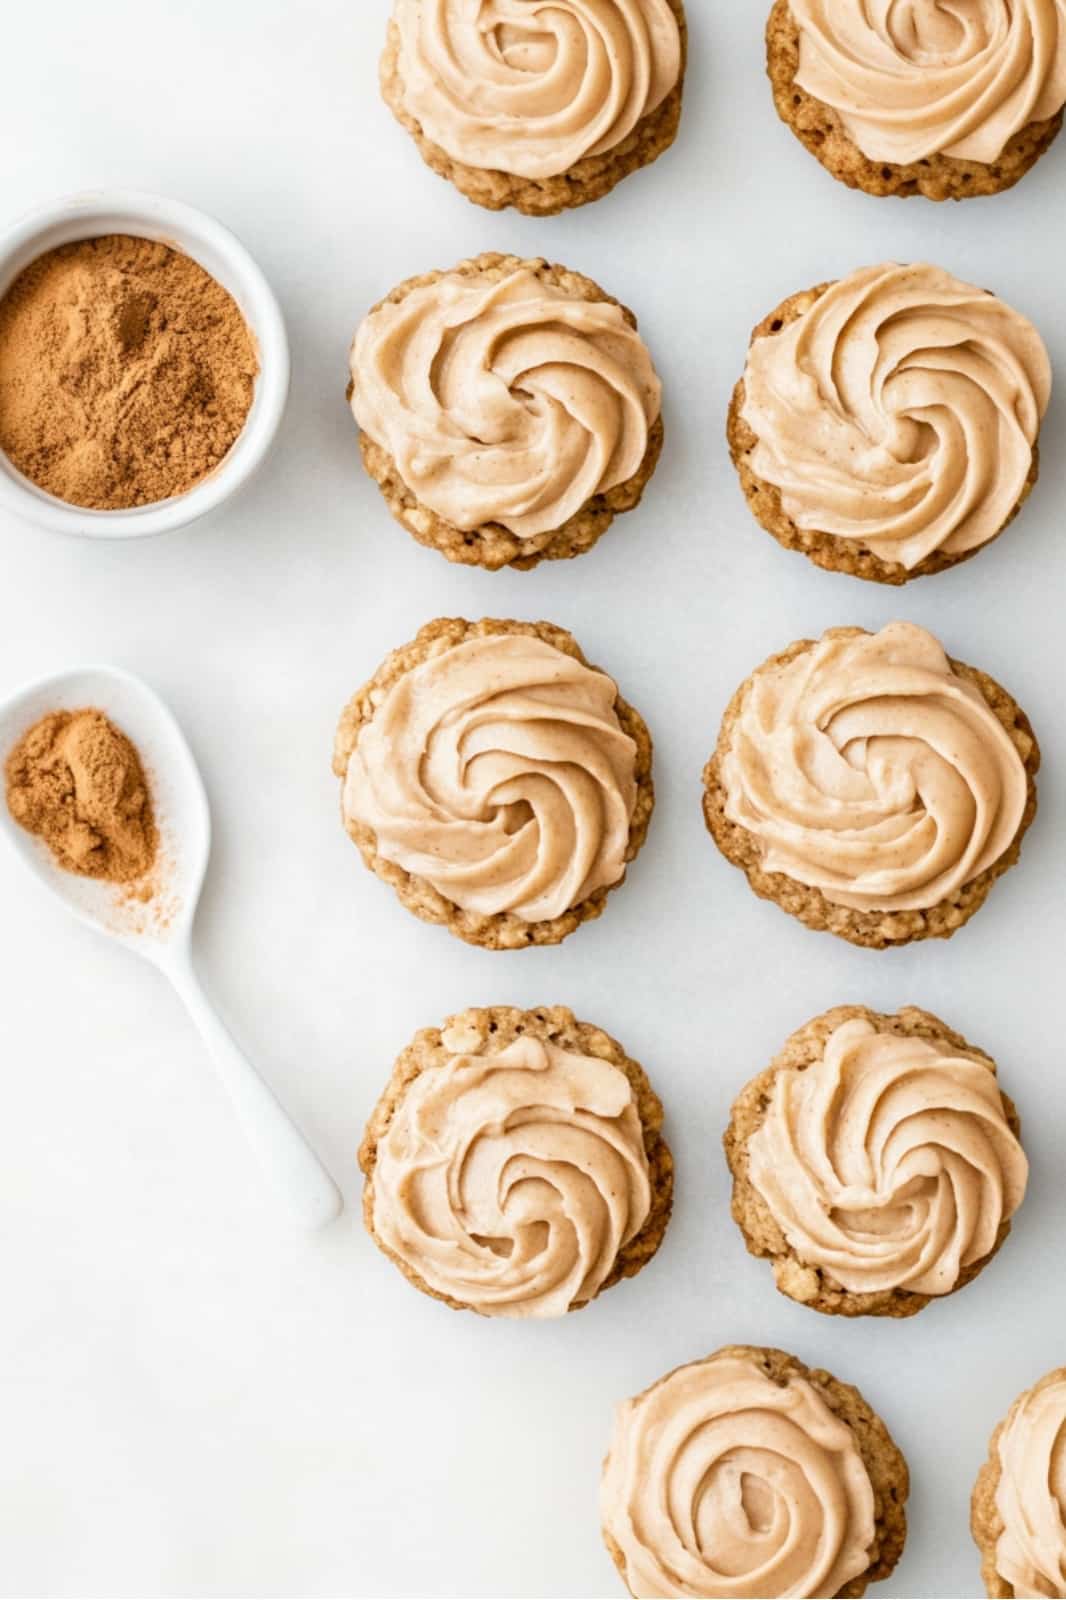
312	1197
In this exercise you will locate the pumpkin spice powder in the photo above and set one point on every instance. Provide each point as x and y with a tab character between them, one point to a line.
126	372
78	783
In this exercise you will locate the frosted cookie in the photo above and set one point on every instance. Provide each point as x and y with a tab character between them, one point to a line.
495	780
876	1162
534	106
872	786
1018	1512
886	425
750	1474
944	101
515	1163
508	410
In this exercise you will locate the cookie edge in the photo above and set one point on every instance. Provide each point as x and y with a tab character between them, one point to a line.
986	1524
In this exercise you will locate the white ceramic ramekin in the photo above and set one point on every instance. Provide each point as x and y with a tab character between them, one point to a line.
149	216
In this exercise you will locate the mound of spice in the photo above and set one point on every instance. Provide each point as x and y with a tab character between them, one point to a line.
77	782
126	372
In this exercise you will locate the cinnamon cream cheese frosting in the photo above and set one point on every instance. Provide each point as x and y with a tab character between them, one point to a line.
504	401
722	1482
927	78
530	87
867	768
888	1163
900	410
499	772
1031	1494
508	1183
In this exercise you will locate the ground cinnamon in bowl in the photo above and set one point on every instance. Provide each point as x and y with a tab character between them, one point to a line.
127	372
78	783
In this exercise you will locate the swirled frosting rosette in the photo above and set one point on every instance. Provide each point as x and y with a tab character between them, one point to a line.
504	397
493	767
898	413
511	1177
887	1161
530	87
1029	1456
741	1476
914	81
871	768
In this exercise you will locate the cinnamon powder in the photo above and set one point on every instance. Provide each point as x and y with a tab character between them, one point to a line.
77	782
126	372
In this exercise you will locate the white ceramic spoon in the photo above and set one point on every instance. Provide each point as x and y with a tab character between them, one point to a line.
160	928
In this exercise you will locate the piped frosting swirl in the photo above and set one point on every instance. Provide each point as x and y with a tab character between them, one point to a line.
867	768
888	1162
509	1182
499	772
926	78
722	1482
530	87
503	399
1031	1493
900	411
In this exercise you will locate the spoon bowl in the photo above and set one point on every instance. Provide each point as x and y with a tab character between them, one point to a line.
155	916
160	922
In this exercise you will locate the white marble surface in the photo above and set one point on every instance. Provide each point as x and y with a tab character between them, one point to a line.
194	1401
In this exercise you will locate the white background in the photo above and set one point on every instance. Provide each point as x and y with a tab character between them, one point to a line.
194	1400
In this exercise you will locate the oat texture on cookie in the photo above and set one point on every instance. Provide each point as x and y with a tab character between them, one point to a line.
1018	1509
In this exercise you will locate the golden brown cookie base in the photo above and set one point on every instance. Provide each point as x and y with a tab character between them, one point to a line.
590	179
487	1031
810	1285
938	177
828	550
505	930
875	930
986	1524
492	545
881	1456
